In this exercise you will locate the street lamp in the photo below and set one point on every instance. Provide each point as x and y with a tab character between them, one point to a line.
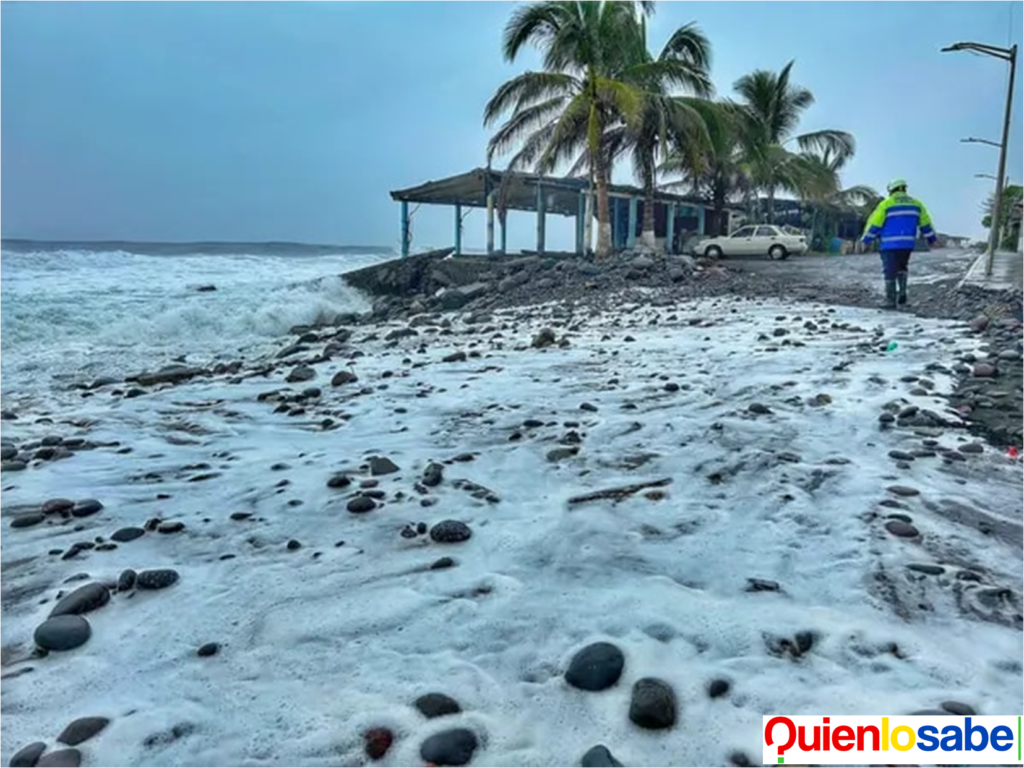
973	140
1010	55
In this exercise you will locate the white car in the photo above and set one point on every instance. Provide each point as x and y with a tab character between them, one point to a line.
754	240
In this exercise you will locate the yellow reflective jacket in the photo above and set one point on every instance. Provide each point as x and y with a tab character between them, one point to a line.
895	222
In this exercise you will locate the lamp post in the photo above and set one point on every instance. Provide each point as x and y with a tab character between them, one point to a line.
1010	55
973	140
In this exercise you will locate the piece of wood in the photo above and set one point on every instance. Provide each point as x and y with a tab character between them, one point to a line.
618	494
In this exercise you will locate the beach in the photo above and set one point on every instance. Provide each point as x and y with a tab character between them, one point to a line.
730	505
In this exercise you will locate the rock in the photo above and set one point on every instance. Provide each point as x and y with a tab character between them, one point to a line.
454	298
8	452
171	375
556	455
653	705
126	580
28	520
62	758
759	408
381	465
979	324
158	578
433	475
62	633
57	506
454	357
27	756
599	757
588	407
171	526
718	688
361	504
433	705
596	667
86	507
339	480
301	373
971	448
901	455
343	377
86	598
926	568
208	649
544	338
377	742
124	535
901	529
669	387
450	532
886	418
12	466
762	585
984	371
82	729
959	708
903	490
442	563
452	747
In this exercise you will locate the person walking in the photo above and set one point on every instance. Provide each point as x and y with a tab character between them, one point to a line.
895	222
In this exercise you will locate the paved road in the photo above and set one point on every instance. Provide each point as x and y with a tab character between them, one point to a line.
943	265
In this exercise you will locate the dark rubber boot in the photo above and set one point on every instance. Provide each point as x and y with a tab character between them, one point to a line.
890	295
901	285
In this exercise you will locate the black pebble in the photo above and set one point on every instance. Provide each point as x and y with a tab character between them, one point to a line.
718	688
27	756
293	545
452	747
126	580
441	563
433	705
361	504
208	649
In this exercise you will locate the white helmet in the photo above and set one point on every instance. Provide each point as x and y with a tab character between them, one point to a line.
897	184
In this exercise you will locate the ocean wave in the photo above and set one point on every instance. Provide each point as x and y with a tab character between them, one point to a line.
68	311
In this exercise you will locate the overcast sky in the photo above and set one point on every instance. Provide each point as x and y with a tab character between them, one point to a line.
292	121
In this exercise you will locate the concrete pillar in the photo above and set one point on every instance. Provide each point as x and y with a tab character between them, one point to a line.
613	215
631	232
588	222
540	217
581	213
670	228
700	220
458	229
490	224
504	232
405	228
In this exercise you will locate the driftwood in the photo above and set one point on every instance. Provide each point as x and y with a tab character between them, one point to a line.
618	494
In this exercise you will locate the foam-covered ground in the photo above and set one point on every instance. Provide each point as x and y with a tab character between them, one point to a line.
322	642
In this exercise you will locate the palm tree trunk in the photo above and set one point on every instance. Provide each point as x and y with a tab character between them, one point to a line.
717	228
771	204
647	230
604	225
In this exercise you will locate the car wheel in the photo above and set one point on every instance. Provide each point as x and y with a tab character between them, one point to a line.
713	252
777	252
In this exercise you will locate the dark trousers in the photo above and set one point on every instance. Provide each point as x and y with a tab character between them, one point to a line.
894	262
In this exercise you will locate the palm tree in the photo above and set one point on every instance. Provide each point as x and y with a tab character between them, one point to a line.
771	107
818	182
571	103
665	118
716	170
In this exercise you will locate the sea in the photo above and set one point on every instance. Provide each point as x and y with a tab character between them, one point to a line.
70	312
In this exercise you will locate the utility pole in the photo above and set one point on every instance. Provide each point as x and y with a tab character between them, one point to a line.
1010	55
